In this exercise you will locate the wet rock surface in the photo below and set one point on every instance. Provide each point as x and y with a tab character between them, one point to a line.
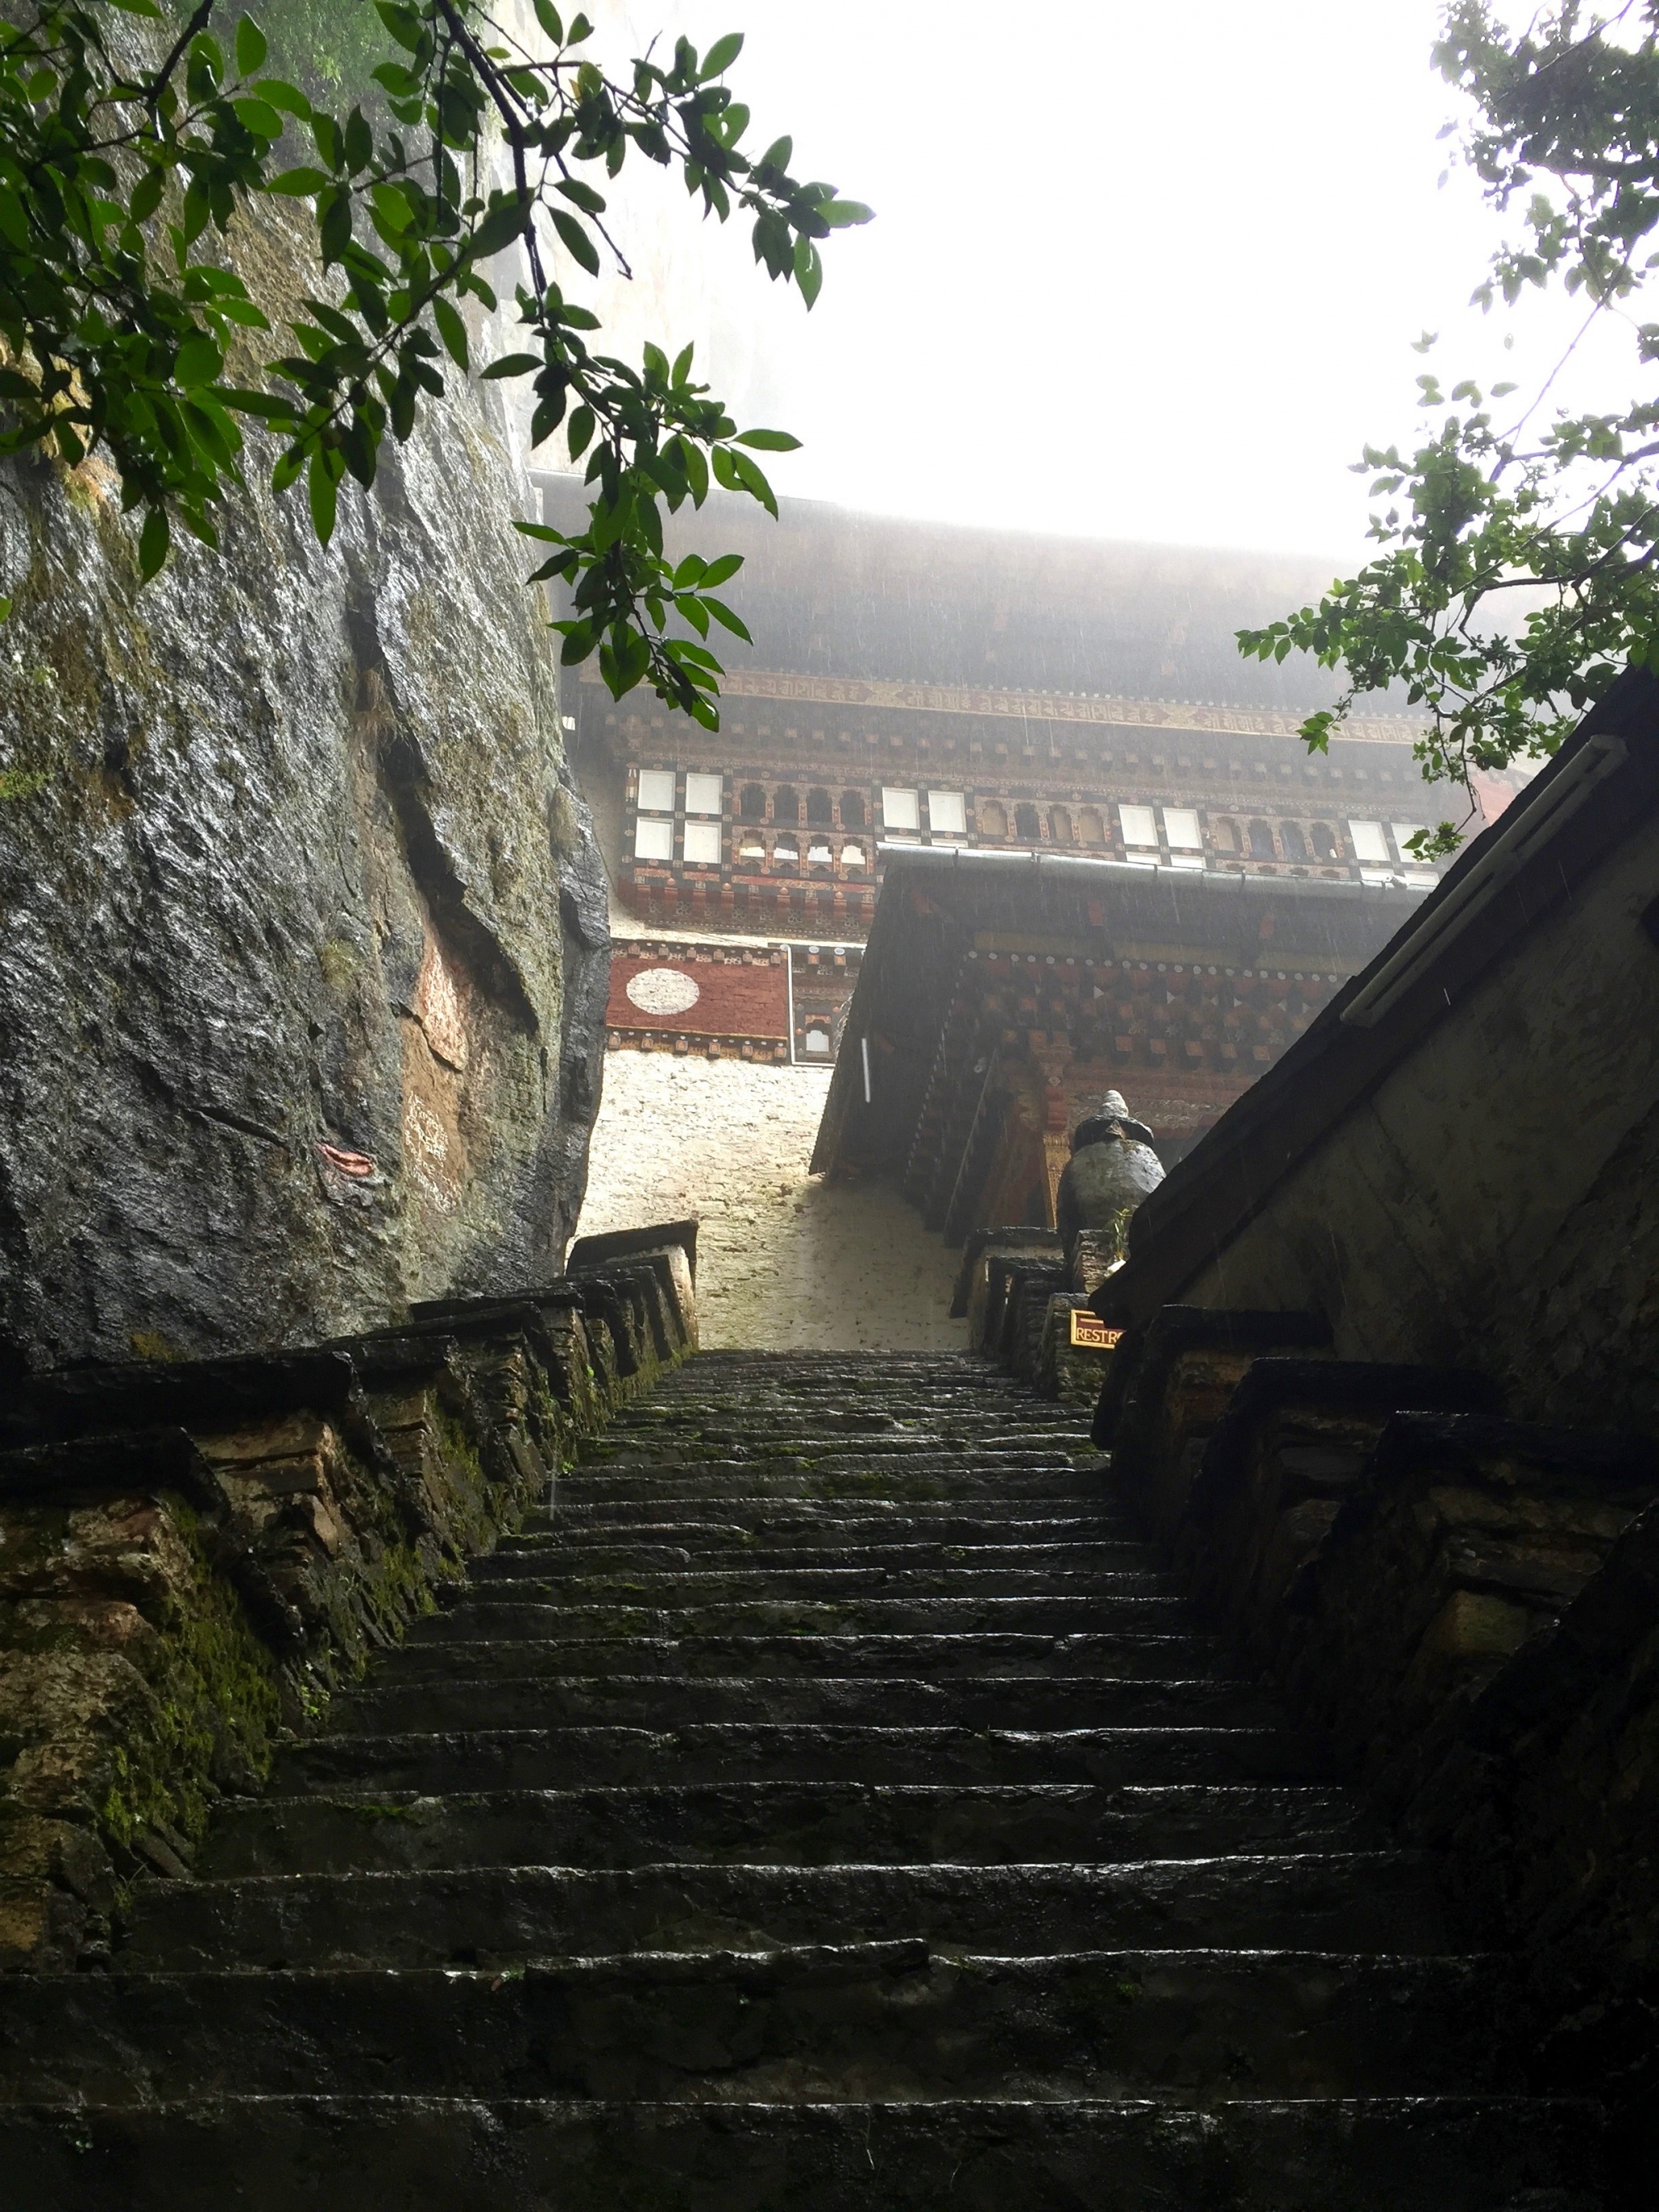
829	1803
303	939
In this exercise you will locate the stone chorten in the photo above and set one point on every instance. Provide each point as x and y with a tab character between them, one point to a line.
1112	1168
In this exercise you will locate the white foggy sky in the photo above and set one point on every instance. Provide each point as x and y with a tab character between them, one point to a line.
1138	272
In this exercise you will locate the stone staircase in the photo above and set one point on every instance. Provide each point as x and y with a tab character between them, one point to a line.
829	1806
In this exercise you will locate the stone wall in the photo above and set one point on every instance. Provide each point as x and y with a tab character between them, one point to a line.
785	1259
303	929
1467	1604
1491	1201
194	1555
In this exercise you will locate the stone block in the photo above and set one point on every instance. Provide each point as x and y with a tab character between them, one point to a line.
1074	1374
1293	1431
1094	1254
1169	1385
976	1280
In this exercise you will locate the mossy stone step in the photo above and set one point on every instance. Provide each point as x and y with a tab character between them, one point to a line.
825	1805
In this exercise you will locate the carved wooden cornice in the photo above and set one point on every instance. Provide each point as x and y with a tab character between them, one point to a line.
1072	707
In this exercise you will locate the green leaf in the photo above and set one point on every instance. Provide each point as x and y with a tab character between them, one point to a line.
580	246
155	538
199	361
580	431
809	270
5	608
452	330
722	613
720	57
359	141
323	487
777	154
547	16
146	197
258	117
750	479
299	184
718	571
136	8
769	441
582	196
251	48
498	228
288	97
404	23
514	364
843	214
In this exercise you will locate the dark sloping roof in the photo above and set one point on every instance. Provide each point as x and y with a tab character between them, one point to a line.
1601	788
827	590
934	902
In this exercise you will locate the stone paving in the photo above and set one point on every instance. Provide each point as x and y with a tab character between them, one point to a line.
831	1805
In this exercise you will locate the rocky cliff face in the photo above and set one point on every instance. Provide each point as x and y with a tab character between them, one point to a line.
302	930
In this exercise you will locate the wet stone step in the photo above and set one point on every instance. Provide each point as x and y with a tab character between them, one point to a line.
946	1520
1239	2153
1379	1902
649	1490
827	1806
734	1549
485	1615
564	1581
1139	1655
548	1758
666	1693
894	1454
876	2021
761	1823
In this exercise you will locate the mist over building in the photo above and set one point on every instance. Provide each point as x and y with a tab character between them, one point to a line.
917	687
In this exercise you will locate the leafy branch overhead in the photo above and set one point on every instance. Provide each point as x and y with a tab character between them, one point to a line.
126	151
1520	542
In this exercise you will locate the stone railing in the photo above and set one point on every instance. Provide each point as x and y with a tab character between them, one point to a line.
194	1555
1469	1608
1017	1291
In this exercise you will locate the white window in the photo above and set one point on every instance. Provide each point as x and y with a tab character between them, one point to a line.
1185	859
1139	827
817	851
1378	878
1369	842
899	810
702	841
754	850
817	1040
1402	830
702	793
653	841
946	815
1181	828
852	856
656	791
784	850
